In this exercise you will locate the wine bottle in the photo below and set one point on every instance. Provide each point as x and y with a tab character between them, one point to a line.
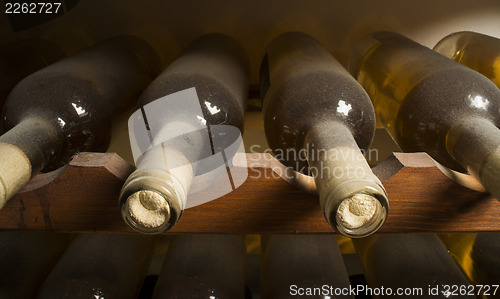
410	266
26	259
317	117
475	50
203	266
22	58
303	265
477	256
180	116
431	103
100	266
67	107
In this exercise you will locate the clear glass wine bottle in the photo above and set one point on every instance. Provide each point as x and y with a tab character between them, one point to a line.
431	103
477	256
477	51
417	265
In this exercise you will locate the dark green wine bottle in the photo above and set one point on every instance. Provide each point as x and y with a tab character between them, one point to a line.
68	106
203	266
317	118
211	75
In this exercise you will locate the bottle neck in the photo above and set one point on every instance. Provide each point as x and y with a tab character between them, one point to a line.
475	144
352	197
154	196
24	151
37	139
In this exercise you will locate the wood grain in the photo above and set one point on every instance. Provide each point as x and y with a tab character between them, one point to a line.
83	197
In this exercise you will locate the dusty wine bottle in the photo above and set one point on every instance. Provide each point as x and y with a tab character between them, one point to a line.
22	58
301	265
67	107
317	117
477	256
179	125
416	265
100	266
477	51
431	103
26	259
203	266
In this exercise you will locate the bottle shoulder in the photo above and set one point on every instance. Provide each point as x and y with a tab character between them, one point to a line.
309	98
439	102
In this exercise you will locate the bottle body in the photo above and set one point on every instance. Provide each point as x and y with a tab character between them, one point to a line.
23	58
188	110
295	265
100	266
203	266
26	259
416	263
67	107
317	118
474	50
433	104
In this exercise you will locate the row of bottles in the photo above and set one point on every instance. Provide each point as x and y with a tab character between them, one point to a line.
318	119
52	265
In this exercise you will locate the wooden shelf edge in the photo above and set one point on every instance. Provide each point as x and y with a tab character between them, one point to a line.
83	197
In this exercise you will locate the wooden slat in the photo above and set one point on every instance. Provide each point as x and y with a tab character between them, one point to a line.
84	197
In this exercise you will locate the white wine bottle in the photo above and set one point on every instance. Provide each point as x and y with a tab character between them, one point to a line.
203	266
22	58
477	256
310	266
100	266
68	106
477	51
431	103
26	258
316	118
410	266
181	123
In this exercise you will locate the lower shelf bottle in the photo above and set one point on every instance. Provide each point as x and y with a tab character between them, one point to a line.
410	266
203	266
478	256
308	266
26	258
100	266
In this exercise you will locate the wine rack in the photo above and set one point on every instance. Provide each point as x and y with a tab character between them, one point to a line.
83	197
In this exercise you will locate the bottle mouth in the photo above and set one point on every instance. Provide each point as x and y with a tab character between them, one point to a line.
147	211
359	214
151	203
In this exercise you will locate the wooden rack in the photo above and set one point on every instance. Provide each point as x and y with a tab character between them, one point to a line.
83	197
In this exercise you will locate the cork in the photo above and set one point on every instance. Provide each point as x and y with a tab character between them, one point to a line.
357	210
15	171
148	208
